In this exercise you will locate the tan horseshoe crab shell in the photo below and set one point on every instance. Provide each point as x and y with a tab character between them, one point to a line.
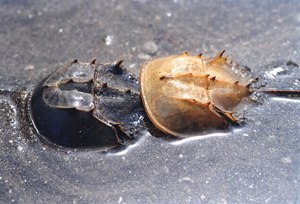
185	95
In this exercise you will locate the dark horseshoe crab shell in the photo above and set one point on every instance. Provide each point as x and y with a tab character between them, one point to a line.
87	105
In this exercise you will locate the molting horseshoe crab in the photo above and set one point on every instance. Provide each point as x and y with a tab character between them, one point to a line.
92	105
87	105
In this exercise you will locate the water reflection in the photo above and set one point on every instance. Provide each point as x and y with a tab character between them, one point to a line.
200	137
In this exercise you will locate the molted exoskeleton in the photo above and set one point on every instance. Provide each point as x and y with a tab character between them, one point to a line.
184	95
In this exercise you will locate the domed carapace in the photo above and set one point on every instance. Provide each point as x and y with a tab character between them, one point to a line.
87	105
185	95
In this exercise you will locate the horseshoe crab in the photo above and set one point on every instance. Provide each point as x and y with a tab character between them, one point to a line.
184	95
91	105
87	105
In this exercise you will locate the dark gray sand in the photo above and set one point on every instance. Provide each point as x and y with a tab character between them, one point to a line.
256	163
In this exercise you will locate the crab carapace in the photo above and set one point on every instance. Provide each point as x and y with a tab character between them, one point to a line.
87	105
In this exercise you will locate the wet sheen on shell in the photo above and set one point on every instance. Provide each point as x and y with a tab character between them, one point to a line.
185	95
87	105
